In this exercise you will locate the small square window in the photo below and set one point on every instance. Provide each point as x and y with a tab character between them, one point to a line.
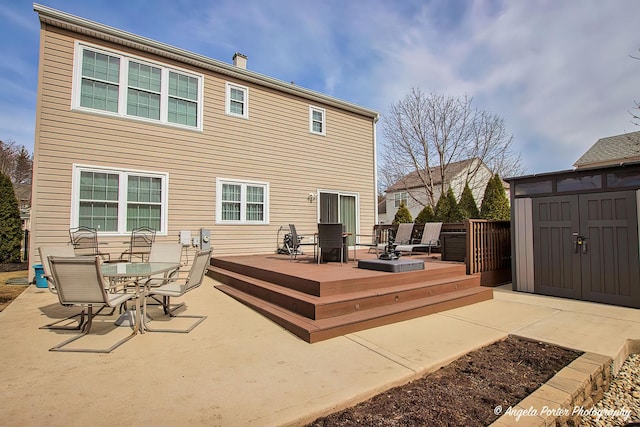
237	103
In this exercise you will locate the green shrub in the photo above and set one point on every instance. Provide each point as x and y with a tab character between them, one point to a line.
495	204
447	208
402	215
468	206
425	215
10	224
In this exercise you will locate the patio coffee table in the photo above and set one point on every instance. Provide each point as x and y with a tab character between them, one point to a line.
392	266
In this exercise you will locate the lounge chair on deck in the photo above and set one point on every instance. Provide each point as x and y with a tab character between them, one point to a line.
402	236
430	239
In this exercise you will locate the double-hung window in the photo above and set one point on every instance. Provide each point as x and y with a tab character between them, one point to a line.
242	202
127	86
399	198
117	201
317	120
237	101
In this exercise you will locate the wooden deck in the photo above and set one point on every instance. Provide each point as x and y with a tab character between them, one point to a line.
317	302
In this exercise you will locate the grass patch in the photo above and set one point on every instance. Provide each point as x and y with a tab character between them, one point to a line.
10	292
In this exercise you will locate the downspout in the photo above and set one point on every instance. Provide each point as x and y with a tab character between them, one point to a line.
375	170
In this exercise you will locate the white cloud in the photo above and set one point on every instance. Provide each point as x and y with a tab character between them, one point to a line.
559	72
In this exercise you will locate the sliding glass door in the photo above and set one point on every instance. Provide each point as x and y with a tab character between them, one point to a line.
339	207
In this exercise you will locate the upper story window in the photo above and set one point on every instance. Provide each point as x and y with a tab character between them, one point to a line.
116	201
399	198
123	85
237	101
317	120
242	202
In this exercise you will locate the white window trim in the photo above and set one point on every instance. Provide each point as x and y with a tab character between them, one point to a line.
397	199
324	120
244	89
122	197
123	86
243	201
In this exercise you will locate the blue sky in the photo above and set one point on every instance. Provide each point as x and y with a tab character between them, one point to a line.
559	72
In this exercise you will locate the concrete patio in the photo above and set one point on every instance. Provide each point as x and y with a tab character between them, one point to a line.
240	369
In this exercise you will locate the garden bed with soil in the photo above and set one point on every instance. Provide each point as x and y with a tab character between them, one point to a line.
464	392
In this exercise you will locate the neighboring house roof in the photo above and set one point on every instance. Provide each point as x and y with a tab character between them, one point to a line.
612	150
84	26
412	180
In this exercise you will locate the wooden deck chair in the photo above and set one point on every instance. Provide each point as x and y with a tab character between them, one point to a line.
430	239
79	281
178	286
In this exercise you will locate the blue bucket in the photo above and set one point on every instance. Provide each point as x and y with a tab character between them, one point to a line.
41	281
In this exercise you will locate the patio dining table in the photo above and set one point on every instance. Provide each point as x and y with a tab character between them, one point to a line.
136	271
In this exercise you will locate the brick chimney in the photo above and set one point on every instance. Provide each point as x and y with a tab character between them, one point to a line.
240	60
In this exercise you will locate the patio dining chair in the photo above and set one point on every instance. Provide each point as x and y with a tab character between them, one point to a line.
164	252
85	242
79	281
294	247
331	237
60	251
430	239
178	286
374	244
142	239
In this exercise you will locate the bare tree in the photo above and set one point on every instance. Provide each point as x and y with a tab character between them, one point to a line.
424	134
8	154
17	163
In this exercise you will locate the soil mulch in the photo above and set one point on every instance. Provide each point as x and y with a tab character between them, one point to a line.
464	393
13	266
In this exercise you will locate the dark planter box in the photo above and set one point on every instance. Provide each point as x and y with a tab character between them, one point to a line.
454	246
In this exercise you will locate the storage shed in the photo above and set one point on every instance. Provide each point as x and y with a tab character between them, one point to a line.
575	234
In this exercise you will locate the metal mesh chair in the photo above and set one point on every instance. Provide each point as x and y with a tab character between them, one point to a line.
85	242
294	247
79	281
142	239
177	287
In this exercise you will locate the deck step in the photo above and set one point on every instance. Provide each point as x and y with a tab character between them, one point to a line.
353	279
316	308
317	330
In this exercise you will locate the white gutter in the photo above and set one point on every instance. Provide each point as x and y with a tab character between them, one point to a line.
84	26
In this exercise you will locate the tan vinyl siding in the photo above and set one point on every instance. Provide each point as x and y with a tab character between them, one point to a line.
274	145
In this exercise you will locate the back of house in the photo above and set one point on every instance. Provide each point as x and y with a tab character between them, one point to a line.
132	132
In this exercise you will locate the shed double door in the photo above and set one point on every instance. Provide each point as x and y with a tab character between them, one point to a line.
586	247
